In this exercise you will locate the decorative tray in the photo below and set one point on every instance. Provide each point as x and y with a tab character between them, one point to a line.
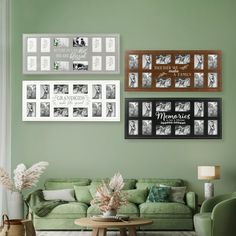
117	218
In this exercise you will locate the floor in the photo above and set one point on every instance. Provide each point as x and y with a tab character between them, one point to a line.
157	233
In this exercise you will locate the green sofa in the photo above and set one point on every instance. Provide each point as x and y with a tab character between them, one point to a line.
165	216
217	216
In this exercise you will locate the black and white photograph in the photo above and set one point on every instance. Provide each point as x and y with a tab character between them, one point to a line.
133	127
110	91
73	100
31	109
198	127
198	80
212	80
61	66
163	82
45	109
133	109
212	109
163	106
147	109
97	91
45	91
80	65
198	62
182	82
212	127
146	127
61	111
212	61
96	109
80	112
147	62
182	59
163	59
80	42
31	91
61	89
174	118
80	88
133	80
199	109
146	80
133	62
110	109
163	129
61	42
182	130
182	106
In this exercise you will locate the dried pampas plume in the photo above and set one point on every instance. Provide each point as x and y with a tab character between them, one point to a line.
5	179
27	178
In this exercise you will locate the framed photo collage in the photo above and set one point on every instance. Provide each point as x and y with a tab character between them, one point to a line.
145	71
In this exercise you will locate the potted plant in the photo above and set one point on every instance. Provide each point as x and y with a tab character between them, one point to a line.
109	197
23	179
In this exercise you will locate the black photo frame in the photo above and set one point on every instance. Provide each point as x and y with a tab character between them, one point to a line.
173	118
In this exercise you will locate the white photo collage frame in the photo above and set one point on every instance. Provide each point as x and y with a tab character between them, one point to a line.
78	100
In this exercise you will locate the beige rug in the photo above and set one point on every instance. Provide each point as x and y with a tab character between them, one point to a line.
149	233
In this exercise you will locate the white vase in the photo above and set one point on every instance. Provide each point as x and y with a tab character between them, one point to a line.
109	213
15	205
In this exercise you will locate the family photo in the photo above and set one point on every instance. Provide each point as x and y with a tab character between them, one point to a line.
163	82
163	59
133	127
31	91
80	88
163	129
133	109
133	62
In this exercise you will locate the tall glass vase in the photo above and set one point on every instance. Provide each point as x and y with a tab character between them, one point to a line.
15	205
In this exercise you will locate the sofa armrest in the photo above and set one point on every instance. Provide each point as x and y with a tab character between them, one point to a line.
192	201
209	204
224	212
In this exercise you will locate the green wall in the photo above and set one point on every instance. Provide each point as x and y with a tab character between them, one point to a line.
93	149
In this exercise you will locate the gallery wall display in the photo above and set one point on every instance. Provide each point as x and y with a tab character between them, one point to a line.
173	118
71	53
88	100
167	70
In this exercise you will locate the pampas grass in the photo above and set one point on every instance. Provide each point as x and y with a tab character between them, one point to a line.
23	178
109	196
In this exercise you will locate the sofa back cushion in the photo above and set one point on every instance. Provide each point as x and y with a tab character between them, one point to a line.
53	184
82	194
128	183
149	182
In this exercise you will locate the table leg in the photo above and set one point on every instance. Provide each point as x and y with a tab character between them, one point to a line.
95	232
102	232
123	232
132	231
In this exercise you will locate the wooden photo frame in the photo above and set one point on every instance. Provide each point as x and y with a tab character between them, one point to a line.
78	100
173	118
173	70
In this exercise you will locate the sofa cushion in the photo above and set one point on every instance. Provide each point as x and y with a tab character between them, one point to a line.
136	196
128	183
159	194
83	194
177	193
60	194
164	209
57	183
70	210
130	209
149	182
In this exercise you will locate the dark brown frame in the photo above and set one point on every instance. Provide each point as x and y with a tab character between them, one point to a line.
190	69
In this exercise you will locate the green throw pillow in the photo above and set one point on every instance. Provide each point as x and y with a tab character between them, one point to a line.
159	194
82	194
177	193
136	196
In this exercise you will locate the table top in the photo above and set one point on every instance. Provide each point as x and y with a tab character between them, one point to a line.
89	222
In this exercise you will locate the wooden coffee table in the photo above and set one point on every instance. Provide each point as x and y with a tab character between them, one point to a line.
100	228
